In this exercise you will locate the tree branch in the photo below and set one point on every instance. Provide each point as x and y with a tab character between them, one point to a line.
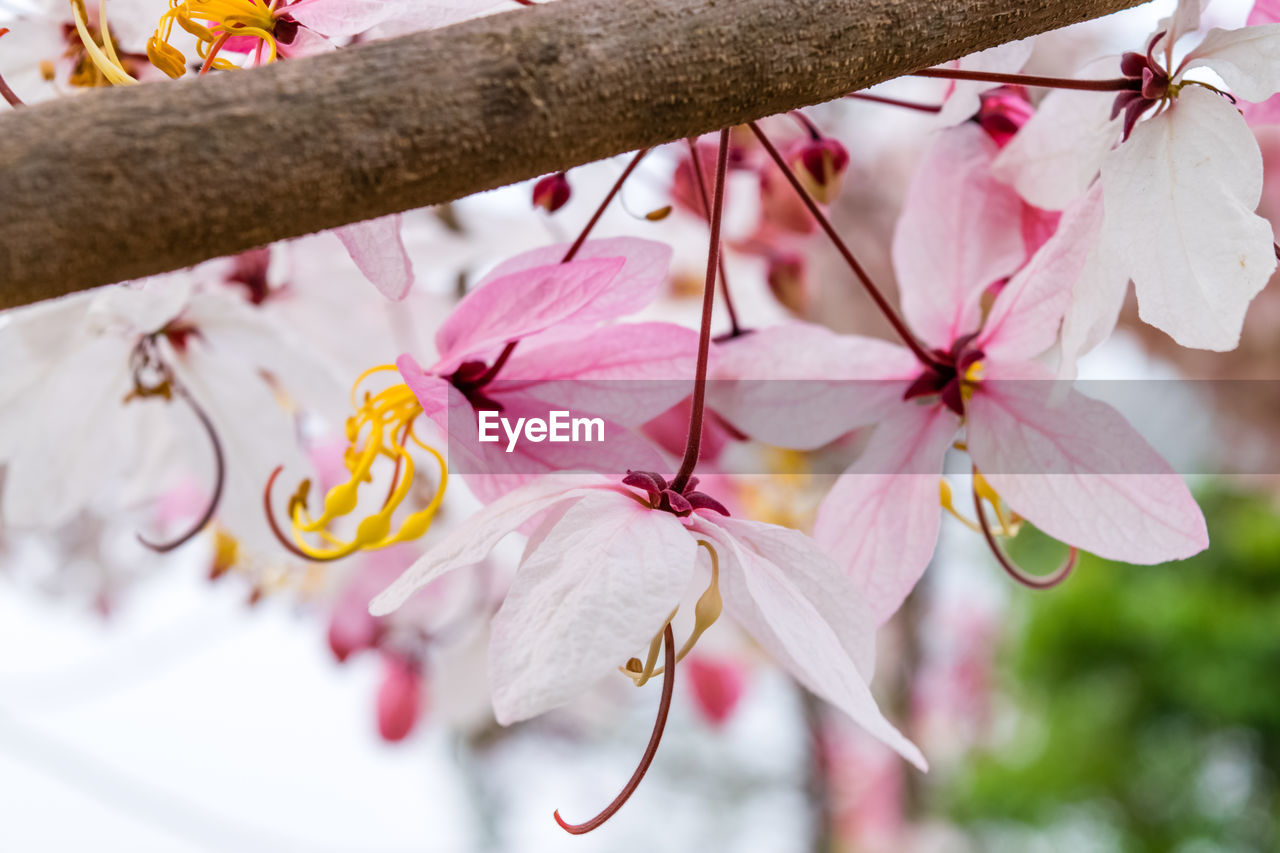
128	182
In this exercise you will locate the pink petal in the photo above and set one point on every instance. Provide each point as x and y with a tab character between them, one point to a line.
341	18
795	602
801	386
431	390
595	591
880	520
630	373
647	262
1264	12
509	306
1077	470
1024	320
378	251
960	231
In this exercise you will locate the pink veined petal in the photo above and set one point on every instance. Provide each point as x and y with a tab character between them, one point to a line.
636	285
1180	198
508	307
1247	59
1024	320
630	373
1056	155
962	97
959	232
1264	12
1077	470
801	386
880	520
471	541
598	587
784	591
378	251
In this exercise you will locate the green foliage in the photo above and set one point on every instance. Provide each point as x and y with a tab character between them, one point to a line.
1148	696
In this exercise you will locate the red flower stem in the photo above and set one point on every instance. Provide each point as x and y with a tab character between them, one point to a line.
734	328
664	705
489	374
1014	571
876	296
894	102
220	476
1114	84
694	441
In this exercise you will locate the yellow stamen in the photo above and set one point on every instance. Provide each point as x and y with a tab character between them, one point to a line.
705	614
381	427
107	62
212	22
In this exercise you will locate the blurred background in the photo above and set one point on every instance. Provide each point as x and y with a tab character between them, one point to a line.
221	699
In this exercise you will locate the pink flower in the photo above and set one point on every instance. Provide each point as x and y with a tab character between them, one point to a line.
606	568
1071	465
528	339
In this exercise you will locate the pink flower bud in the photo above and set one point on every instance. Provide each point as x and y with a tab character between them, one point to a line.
789	280
1003	112
820	165
551	192
717	686
399	699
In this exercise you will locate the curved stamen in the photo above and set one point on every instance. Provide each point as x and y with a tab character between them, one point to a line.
664	705
1015	571
220	472
275	527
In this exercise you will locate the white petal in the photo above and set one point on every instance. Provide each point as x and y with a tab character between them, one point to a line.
1247	59
1055	156
793	600
1095	306
594	592
1179	198
471	541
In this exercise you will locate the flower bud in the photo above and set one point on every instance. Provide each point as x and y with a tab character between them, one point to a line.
1003	112
820	165
789	281
399	699
551	192
717	686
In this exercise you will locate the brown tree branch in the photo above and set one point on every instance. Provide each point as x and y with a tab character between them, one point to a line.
123	183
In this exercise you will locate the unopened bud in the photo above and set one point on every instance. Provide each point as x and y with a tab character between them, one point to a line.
820	165
551	192
789	281
1003	112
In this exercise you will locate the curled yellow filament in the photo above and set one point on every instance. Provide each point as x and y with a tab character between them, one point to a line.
380	428
212	22
104	56
705	614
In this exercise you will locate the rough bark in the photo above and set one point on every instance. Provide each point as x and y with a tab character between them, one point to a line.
123	183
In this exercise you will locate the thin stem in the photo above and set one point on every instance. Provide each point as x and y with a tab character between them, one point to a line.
876	296
809	127
664	706
894	102
1114	84
220	473
488	376
1015	571
5	92
694	441
734	329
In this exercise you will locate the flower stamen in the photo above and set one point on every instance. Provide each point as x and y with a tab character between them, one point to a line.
983	491
705	613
